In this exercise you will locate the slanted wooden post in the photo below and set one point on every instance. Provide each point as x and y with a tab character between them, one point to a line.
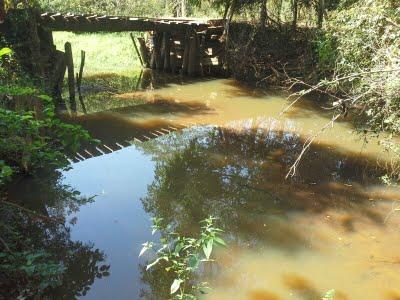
80	75
167	51
137	50
71	78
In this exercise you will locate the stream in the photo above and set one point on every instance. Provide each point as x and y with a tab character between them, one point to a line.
181	150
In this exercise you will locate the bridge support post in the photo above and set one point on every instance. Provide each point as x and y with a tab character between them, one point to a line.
194	63
186	50
173	57
167	51
156	55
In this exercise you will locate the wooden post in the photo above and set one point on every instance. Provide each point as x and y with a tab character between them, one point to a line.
144	51
137	50
185	58
71	78
193	56
80	75
167	51
58	77
157	51
173	57
201	54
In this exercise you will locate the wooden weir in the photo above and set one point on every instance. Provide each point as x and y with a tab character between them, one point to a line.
191	46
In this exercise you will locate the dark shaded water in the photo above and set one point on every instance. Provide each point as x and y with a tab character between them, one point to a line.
226	155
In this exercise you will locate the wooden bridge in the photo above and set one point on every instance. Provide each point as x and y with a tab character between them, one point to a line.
103	23
188	46
191	46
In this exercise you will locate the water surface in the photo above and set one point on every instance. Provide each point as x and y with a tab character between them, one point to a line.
186	149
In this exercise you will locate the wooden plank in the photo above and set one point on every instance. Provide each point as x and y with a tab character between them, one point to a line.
92	23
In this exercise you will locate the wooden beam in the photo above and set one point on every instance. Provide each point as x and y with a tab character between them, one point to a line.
93	23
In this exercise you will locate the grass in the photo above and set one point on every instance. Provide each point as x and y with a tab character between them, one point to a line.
105	52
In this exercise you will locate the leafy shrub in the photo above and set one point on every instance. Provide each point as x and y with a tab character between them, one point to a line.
360	48
182	256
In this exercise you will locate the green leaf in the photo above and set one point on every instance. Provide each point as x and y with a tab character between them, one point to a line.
207	248
5	51
176	285
220	241
193	262
330	295
178	248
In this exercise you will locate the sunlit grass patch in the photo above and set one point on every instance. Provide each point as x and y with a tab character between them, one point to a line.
105	52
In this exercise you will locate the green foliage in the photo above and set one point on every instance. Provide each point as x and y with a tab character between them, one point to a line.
182	256
4	52
31	137
360	49
28	142
5	172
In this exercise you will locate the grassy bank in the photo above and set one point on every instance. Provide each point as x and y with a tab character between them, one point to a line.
105	52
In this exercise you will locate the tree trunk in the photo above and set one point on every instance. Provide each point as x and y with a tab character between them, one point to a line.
231	11
183	8
263	14
295	7
227	5
320	12
279	11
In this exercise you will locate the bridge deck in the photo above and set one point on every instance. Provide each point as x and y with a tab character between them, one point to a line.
99	23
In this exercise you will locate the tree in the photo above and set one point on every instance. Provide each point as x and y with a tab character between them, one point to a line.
263	14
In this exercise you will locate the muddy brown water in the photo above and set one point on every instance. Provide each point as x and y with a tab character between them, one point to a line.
331	226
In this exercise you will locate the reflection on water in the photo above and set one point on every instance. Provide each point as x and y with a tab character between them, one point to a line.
284	235
83	262
327	227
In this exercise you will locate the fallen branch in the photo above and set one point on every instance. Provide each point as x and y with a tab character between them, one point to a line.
307	144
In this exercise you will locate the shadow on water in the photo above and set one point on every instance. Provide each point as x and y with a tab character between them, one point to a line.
83	262
238	176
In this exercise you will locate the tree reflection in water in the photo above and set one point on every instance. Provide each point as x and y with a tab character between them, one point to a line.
238	176
46	195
